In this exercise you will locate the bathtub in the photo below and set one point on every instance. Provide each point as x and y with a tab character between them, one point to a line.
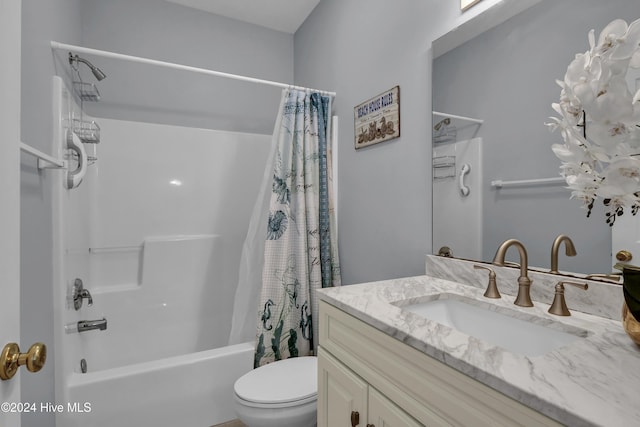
163	359
194	390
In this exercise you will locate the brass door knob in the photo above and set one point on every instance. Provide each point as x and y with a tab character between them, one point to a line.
624	256
11	359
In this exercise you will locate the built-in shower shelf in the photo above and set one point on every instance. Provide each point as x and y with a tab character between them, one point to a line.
115	249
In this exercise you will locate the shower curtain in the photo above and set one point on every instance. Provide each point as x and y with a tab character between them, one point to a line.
291	246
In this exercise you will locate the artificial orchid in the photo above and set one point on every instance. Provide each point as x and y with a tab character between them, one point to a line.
600	121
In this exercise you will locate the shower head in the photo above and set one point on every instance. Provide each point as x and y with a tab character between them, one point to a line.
97	72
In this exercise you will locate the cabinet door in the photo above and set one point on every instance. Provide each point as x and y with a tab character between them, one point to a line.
342	395
385	413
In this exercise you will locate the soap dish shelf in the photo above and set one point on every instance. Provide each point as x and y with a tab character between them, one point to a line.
444	167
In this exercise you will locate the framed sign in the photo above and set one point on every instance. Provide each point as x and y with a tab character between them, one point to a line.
466	4
377	119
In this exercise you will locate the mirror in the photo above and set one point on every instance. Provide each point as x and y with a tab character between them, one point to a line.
504	79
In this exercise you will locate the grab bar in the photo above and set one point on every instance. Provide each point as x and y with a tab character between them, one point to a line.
464	190
74	178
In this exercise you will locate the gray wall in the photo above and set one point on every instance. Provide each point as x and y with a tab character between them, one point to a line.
169	32
360	48
506	76
42	21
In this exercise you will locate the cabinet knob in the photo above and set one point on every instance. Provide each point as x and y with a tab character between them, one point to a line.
355	418
624	256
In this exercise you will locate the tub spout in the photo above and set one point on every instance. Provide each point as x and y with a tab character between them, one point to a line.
90	325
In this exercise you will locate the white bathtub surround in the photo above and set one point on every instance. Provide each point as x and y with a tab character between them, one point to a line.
591	382
155	232
181	304
458	214
601	299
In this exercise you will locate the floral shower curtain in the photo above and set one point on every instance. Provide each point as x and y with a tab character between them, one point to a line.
300	251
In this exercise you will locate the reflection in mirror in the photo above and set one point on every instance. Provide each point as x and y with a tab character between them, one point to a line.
505	77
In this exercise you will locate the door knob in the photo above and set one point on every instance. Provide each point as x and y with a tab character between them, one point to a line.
624	256
11	359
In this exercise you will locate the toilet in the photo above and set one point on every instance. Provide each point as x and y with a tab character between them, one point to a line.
280	394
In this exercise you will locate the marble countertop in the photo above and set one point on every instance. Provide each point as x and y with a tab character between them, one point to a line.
594	381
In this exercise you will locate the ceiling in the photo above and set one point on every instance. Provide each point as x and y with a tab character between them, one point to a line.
280	15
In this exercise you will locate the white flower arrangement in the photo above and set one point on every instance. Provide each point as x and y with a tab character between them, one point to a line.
600	122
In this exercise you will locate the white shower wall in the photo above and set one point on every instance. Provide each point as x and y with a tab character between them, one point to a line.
457	218
161	182
155	232
156	181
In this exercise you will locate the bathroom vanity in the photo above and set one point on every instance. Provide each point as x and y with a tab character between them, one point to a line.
383	362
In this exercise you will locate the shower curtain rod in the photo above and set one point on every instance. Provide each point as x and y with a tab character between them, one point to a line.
45	161
107	54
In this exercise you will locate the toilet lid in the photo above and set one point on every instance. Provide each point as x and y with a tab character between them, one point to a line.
283	381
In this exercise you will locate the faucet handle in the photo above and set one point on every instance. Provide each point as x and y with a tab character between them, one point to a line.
79	294
86	294
492	287
559	306
613	277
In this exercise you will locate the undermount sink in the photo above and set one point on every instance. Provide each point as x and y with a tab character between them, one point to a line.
501	328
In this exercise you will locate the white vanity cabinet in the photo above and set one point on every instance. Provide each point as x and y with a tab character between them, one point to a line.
347	400
367	378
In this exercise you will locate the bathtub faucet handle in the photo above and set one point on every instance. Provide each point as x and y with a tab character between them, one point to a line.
85	294
79	294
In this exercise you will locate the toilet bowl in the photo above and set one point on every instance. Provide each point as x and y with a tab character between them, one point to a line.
280	394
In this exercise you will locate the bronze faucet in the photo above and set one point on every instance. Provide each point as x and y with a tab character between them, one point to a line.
570	250
559	305
523	299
